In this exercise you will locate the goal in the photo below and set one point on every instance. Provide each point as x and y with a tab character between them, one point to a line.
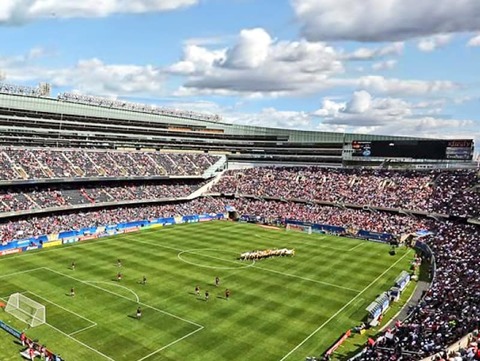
298	228
26	309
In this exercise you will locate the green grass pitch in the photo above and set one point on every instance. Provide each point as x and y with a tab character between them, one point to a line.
280	308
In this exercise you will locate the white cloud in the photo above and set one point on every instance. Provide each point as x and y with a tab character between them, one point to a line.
384	65
384	20
91	76
257	65
475	41
95	77
20	11
251	50
360	102
392	86
432	43
273	118
364	113
375	53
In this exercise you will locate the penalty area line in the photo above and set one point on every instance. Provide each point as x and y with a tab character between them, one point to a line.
342	309
92	323
171	344
126	298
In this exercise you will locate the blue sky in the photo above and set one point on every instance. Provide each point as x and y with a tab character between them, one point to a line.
374	66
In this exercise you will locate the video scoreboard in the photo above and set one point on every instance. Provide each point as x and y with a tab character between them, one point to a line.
459	149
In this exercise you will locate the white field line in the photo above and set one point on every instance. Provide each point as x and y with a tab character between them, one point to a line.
5	298
114	284
21	272
308	279
171	344
253	266
126	298
74	339
343	308
93	324
355	247
80	342
82	329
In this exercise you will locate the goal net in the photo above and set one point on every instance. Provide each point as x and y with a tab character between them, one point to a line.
26	309
298	228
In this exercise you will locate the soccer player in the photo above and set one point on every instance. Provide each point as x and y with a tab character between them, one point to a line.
217	281
144	280
119	263
119	276
197	290
139	313
72	292
206	295
227	294
73	266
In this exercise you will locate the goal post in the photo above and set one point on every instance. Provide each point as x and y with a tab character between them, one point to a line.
26	309
298	228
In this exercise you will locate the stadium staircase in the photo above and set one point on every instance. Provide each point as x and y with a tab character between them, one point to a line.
76	169
28	198
202	190
102	172
212	170
157	165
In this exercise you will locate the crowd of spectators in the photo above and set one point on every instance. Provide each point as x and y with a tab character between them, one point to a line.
342	217
356	219
42	198
28	163
144	108
455	194
446	192
451	307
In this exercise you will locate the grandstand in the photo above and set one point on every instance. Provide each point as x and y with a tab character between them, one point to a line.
29	117
76	165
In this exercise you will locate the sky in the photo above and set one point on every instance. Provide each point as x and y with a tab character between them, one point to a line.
398	67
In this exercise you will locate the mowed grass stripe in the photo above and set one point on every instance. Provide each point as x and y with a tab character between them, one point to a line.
268	314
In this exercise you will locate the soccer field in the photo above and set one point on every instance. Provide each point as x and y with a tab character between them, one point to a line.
280	309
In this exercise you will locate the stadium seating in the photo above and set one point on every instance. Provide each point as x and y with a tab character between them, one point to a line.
446	192
378	222
62	196
28	164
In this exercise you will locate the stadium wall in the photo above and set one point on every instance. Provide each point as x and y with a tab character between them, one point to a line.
84	234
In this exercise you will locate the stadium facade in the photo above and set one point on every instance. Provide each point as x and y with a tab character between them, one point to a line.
73	121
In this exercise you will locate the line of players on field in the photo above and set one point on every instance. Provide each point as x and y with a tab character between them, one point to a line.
144	282
256	255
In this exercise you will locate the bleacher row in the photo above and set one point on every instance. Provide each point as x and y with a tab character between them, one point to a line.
31	164
46	224
454	193
12	200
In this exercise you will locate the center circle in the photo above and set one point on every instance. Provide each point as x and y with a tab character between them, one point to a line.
182	257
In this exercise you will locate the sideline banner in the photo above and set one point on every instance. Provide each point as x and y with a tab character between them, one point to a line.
52	244
10	251
10	329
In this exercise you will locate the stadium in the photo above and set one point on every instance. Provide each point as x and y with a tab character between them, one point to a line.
126	228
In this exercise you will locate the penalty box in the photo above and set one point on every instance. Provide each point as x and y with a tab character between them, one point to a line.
100	317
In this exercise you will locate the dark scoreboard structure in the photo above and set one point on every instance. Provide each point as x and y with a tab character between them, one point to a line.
461	149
